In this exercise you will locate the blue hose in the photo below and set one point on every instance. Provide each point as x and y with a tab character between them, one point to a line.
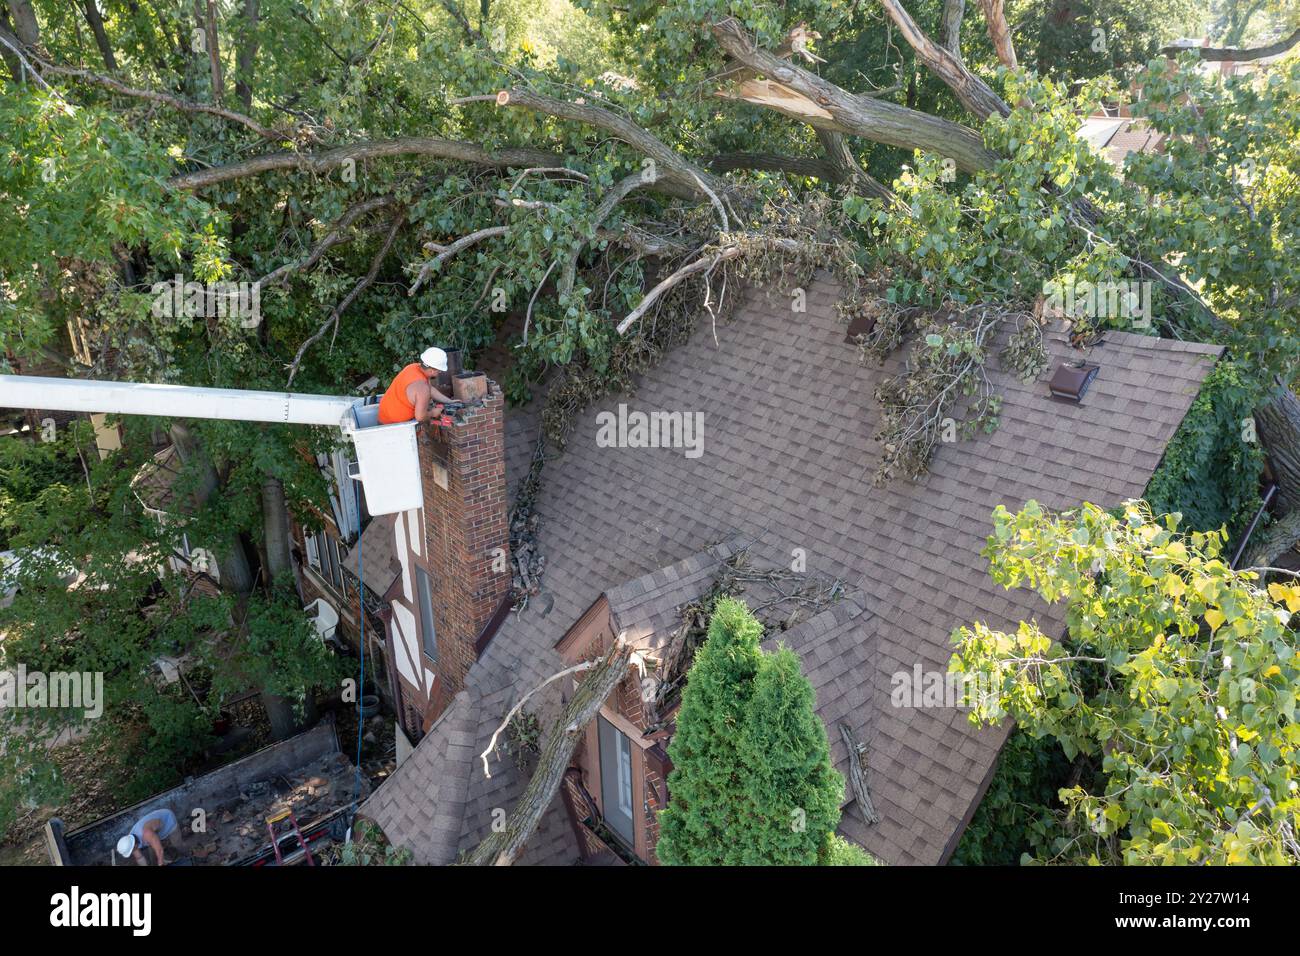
361	617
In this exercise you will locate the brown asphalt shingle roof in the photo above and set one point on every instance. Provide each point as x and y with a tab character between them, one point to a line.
379	561
790	469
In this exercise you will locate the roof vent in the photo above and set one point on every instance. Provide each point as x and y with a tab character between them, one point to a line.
861	324
1070	381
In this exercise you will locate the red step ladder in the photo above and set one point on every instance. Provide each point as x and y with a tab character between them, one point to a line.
275	827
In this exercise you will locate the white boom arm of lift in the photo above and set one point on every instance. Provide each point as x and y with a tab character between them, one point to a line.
387	455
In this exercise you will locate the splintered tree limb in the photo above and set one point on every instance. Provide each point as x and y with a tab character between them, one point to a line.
446	252
999	33
362	284
331	239
795	92
501	849
325	161
973	92
1235	54
858	776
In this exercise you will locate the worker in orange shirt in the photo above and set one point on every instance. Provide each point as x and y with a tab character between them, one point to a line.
412	395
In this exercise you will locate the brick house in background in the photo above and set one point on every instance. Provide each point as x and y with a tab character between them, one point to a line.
631	535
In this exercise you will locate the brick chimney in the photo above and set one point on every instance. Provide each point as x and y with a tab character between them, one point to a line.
467	537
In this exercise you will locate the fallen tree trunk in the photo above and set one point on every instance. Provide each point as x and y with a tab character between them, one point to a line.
503	847
1278	424
1277	539
795	92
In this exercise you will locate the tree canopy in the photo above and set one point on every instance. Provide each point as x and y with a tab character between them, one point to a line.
1177	674
582	182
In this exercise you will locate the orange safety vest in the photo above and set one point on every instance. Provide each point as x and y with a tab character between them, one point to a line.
395	407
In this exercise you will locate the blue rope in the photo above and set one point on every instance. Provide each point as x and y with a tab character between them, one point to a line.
361	617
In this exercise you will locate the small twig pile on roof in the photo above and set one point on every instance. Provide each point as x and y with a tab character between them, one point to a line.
528	564
789	597
945	392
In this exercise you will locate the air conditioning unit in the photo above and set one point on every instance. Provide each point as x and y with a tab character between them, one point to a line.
325	619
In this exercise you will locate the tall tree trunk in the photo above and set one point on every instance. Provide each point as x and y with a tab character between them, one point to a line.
282	717
236	576
275	520
91	10
247	54
238	579
206	10
1278	424
23	22
10	58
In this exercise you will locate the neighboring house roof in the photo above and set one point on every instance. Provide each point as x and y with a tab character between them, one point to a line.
787	463
1117	136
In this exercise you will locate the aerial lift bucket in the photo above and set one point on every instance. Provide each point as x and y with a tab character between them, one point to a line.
388	461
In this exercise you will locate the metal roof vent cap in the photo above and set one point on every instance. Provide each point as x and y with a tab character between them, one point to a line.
1070	381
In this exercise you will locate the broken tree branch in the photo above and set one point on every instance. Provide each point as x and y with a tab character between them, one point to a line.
1237	54
166	99
643	179
330	159
699	265
331	239
503	847
492	744
970	90
675	167
778	163
705	263
838	152
446	252
858	776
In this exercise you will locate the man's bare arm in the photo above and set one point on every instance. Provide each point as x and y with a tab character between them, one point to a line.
151	837
421	402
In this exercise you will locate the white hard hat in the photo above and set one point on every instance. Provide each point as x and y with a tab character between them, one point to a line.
126	845
434	358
